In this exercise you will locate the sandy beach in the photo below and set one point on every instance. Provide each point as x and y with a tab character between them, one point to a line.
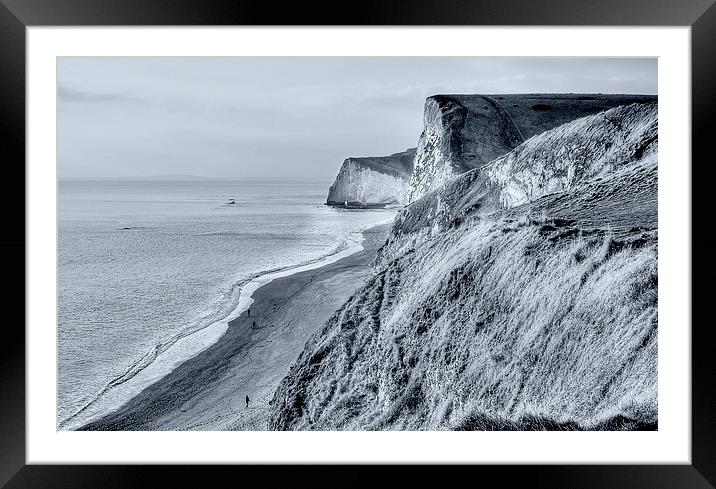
208	392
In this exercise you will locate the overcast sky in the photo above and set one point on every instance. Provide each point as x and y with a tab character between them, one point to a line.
294	117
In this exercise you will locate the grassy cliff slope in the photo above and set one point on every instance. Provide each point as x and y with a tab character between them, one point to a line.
521	295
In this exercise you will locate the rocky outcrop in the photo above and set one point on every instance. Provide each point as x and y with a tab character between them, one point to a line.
373	181
520	296
463	132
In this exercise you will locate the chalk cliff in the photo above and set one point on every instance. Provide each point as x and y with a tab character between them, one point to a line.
373	181
463	132
521	295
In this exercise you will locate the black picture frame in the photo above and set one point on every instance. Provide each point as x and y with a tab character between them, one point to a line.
16	15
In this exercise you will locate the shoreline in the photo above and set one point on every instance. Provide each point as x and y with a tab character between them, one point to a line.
286	307
187	345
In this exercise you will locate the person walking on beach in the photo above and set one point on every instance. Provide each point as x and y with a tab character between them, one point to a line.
247	401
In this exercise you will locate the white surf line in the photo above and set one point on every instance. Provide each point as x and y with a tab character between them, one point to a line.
191	345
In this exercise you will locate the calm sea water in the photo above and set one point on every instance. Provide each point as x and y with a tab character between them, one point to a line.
142	263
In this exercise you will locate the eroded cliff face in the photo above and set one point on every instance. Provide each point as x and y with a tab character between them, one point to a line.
464	132
373	181
522	295
553	161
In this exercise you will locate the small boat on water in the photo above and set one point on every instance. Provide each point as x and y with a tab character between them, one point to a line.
231	202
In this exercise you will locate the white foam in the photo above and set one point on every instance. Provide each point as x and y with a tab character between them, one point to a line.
189	346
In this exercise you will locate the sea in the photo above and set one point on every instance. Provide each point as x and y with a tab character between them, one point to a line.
151	271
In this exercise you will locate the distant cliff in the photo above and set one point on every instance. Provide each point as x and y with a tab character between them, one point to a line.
373	181
463	132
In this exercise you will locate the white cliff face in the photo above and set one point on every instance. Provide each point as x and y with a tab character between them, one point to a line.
465	132
373	181
357	183
459	134
430	166
554	161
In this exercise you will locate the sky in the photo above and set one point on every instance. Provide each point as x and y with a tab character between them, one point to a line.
283	117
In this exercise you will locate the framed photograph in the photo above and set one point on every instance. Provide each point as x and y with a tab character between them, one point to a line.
424	234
